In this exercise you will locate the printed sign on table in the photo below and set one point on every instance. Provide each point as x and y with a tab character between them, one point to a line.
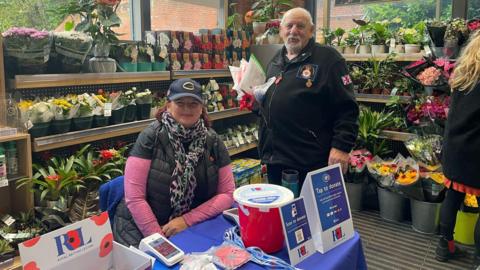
331	219
297	231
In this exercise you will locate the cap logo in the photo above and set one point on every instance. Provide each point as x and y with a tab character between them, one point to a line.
188	86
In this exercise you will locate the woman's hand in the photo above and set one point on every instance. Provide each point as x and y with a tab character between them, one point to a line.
174	226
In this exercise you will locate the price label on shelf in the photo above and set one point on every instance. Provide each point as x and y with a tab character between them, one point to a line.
4	183
107	109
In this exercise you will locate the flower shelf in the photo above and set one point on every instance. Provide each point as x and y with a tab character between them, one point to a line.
396	135
202	73
400	57
241	149
380	98
58	80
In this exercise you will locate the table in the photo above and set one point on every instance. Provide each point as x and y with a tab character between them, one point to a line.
202	236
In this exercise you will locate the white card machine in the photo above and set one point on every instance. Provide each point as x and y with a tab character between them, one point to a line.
160	247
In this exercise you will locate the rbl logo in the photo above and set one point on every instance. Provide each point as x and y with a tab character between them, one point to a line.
71	240
337	234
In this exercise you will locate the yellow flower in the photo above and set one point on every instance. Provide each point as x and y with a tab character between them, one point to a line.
470	201
25	104
438	177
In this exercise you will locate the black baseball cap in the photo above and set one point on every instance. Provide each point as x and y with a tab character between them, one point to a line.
185	88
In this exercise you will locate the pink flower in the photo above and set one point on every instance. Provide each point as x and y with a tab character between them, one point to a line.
429	76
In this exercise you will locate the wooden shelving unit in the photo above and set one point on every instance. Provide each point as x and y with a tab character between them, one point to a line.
59	80
94	134
200	74
13	199
380	98
241	149
396	135
400	57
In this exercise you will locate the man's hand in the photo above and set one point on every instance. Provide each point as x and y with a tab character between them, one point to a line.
338	156
175	226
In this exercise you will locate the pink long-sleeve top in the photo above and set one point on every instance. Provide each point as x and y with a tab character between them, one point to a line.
136	174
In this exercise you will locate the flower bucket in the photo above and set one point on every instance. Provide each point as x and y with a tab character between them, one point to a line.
39	130
118	116
60	126
130	113
100	120
82	123
433	192
159	66
425	216
412	48
392	205
143	111
465	227
259	215
144	66
355	195
129	67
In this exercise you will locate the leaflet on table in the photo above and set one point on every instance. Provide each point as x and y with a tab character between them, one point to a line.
297	231
87	244
329	210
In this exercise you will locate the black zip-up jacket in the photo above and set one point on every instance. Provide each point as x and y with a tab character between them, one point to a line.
310	109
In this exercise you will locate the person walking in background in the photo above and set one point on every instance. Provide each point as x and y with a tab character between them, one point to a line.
178	172
309	116
461	147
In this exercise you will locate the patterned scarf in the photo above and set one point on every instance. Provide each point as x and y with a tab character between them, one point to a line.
183	177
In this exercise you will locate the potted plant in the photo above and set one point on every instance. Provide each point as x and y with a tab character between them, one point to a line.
352	40
54	183
379	75
338	37
144	104
102	108
430	78
326	36
273	32
71	49
98	18
83	111
131	107
6	251
145	57
455	35
119	104
380	35
412	37
161	59
266	10
365	40
356	177
62	108
27	50
37	117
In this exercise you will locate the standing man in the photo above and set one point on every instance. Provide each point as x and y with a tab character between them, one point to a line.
309	116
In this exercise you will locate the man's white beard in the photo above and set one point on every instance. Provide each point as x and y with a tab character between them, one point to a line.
293	48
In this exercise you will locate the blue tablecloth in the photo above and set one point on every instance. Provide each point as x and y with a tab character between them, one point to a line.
202	236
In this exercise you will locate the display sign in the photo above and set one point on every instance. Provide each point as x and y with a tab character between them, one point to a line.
297	231
330	218
87	244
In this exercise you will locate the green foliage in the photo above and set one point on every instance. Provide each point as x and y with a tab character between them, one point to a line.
39	14
371	123
409	11
5	247
266	10
379	31
338	33
473	9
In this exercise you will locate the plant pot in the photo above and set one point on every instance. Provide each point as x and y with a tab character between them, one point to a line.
364	49
425	216
118	116
130	113
274	39
143	111
392	205
355	195
412	48
60	126
465	227
339	49
129	66
39	130
102	65
378	49
399	48
82	123
350	49
144	66
159	66
100	120
259	27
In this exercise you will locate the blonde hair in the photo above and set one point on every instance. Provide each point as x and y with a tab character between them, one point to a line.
467	72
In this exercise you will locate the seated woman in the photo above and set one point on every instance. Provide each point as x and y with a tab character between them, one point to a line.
178	172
